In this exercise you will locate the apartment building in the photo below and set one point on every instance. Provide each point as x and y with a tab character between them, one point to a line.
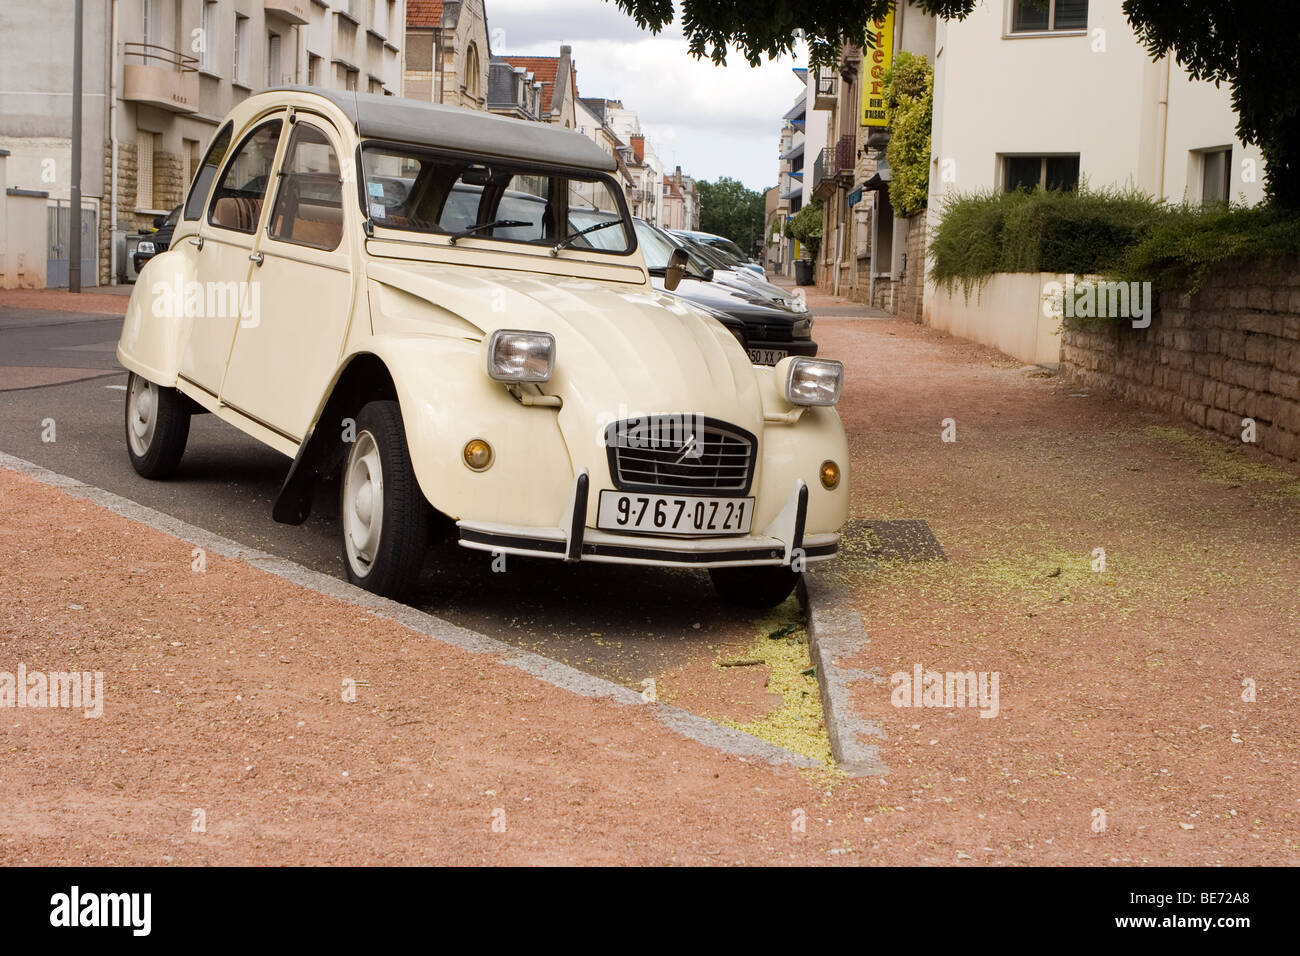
158	76
791	155
513	91
559	85
681	205
448	59
1026	93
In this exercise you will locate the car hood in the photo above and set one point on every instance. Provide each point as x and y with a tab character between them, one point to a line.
735	302
621	350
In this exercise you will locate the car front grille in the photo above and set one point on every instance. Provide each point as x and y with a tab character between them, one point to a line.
680	454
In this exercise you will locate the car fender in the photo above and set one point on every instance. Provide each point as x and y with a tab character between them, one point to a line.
154	329
447	400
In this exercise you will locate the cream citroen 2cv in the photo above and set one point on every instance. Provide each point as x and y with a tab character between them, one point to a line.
398	292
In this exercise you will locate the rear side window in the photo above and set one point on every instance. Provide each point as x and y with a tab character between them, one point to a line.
237	203
309	205
207	172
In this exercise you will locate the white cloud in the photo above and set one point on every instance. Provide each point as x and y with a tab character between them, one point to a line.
714	121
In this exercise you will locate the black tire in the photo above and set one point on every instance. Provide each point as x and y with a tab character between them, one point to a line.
157	454
394	562
763	586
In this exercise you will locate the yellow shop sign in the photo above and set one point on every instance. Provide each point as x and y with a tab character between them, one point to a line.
876	61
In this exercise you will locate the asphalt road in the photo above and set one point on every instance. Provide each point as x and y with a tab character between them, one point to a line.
622	623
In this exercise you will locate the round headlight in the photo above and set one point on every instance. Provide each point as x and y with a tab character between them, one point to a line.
830	475
478	454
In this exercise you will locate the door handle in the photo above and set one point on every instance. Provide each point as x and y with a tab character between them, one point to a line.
198	241
256	258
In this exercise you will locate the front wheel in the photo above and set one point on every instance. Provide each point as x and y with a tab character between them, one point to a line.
384	514
157	427
763	586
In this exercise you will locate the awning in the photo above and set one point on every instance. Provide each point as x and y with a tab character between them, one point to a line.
882	177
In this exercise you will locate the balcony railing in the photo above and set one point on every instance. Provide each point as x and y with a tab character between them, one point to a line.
164	78
823	167
827	90
846	153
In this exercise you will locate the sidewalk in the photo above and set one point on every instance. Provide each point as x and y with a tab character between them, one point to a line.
108	301
1120	691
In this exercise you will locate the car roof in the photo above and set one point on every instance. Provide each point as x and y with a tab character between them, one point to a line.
401	120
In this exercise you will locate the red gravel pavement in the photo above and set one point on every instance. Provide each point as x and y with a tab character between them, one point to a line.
1120	690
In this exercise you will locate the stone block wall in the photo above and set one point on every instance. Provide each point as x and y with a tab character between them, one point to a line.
1228	353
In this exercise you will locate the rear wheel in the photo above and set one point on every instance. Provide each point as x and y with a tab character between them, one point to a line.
157	427
758	587
383	512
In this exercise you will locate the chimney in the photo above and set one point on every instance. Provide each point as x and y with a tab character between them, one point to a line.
566	50
638	147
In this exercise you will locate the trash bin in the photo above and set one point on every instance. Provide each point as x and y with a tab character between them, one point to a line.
803	272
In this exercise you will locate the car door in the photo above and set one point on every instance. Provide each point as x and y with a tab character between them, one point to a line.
302	287
219	301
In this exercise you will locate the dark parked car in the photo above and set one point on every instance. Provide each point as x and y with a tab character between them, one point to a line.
156	241
771	332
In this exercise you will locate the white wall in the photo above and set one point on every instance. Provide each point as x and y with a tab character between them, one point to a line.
1094	93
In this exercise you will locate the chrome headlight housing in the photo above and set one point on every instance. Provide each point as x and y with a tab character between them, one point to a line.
810	381
145	248
514	355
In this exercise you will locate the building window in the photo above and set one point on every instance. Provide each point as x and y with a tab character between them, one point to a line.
350	80
272	59
240	72
144	170
207	33
1046	16
1030	172
471	71
150	23
189	160
313	69
1216	175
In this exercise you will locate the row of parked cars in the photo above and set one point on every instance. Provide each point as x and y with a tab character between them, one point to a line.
455	313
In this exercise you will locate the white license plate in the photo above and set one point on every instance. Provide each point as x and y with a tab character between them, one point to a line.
673	514
767	356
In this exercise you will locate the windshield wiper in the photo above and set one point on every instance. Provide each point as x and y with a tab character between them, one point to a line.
499	224
563	243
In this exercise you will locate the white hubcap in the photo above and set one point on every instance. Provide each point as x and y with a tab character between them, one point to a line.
363	504
142	415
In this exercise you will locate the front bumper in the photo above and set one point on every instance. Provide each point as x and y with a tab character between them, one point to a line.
781	543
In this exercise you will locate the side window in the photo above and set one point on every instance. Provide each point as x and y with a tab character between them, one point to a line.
207	172
309	205
237	203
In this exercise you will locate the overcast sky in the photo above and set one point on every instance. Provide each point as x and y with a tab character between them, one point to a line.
713	121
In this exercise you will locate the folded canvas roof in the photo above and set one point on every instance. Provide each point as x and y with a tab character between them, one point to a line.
449	127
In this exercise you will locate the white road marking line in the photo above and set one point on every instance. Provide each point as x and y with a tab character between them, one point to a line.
116	388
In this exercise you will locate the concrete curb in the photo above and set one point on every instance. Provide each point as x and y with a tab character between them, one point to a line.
692	726
835	630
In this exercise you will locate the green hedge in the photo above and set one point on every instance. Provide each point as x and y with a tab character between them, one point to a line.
1121	234
1043	231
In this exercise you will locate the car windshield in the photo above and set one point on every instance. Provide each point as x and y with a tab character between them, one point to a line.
713	257
720	244
658	249
463	197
